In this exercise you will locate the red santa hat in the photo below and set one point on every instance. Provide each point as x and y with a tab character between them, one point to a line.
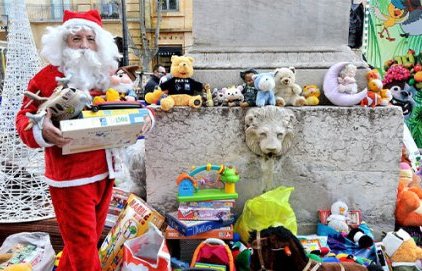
89	18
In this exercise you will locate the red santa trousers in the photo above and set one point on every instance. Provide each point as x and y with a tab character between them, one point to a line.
81	212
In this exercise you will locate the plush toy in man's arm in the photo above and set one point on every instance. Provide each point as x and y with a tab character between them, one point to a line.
181	83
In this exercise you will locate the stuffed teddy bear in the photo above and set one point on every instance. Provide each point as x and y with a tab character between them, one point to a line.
311	94
233	95
287	92
346	80
264	83
409	199
402	250
338	217
181	83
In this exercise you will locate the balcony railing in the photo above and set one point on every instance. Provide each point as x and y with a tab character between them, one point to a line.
54	12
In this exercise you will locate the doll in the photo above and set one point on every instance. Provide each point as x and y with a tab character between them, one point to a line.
249	91
347	81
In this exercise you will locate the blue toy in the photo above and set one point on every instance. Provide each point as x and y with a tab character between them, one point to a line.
264	83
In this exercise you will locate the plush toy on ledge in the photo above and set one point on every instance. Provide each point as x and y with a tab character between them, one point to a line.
377	94
264	84
311	94
181	83
286	90
346	80
233	95
331	88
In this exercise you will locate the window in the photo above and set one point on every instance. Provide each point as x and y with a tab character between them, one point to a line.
170	5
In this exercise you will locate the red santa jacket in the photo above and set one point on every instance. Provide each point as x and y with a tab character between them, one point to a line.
60	170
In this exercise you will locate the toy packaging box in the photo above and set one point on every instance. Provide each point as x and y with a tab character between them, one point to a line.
193	227
224	233
132	222
104	132
118	201
198	213
208	204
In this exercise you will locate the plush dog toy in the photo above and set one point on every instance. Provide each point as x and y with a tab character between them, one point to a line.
286	90
402	250
181	83
264	83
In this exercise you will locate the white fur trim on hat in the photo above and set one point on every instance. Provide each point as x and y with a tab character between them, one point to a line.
393	240
78	21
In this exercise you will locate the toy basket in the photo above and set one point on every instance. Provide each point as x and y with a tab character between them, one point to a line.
213	251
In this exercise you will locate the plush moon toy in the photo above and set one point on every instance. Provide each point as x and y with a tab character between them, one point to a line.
331	88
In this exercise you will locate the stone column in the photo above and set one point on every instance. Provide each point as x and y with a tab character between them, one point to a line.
230	37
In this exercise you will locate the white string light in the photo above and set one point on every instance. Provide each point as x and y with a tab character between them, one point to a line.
24	195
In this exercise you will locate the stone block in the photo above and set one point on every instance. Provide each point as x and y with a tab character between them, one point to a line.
349	153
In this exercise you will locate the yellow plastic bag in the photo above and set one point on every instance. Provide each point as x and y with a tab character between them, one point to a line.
270	209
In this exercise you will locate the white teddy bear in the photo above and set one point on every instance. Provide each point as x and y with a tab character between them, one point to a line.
287	92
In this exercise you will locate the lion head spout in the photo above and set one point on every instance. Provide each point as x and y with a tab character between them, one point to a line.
269	130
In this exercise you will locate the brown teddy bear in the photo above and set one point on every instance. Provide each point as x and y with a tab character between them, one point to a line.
181	83
287	92
402	250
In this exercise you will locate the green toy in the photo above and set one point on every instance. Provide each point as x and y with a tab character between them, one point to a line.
188	189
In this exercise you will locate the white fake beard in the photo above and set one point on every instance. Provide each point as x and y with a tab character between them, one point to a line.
84	70
122	88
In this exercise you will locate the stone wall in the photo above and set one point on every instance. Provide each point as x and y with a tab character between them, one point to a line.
309	35
338	153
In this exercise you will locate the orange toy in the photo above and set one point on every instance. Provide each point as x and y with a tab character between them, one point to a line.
409	198
377	95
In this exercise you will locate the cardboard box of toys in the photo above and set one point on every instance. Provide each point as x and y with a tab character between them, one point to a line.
104	130
132	222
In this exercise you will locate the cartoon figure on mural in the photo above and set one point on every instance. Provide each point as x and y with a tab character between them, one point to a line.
395	16
405	13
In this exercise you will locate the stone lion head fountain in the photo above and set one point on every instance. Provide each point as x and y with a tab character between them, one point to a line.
269	130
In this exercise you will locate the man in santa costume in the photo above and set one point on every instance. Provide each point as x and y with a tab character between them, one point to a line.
85	55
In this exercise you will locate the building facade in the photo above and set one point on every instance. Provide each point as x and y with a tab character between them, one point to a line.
175	27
